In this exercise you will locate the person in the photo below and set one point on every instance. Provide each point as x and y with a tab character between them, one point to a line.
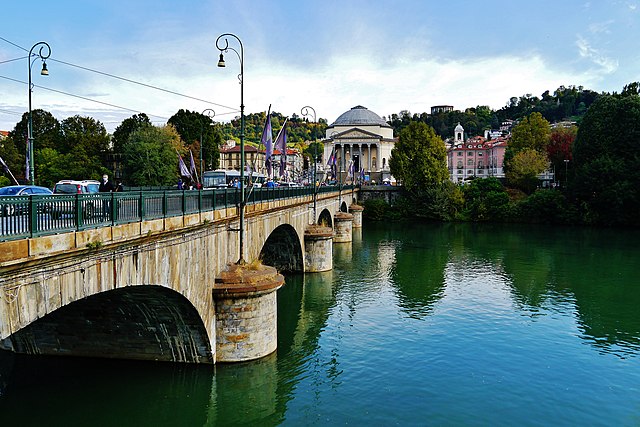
106	186
270	183
119	187
180	184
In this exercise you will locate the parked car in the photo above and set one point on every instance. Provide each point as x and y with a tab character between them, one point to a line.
20	190
72	187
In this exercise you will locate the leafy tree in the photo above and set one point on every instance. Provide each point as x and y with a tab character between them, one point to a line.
126	128
419	158
606	160
14	160
150	156
86	134
524	167
559	149
46	134
533	132
486	199
197	129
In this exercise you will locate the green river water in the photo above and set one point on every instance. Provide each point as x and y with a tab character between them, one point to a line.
454	324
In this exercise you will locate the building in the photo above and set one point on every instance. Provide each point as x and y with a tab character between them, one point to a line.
436	109
362	137
230	157
476	157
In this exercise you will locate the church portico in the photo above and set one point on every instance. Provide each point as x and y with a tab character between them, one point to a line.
361	137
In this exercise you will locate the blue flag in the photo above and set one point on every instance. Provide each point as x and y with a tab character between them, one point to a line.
267	141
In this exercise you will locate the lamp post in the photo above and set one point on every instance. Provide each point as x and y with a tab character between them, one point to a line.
307	111
43	72
566	172
221	64
211	114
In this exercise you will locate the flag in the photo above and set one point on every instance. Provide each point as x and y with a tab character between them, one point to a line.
351	164
193	170
361	175
281	145
27	168
267	141
183	168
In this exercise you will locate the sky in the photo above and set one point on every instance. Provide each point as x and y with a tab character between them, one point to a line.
331	55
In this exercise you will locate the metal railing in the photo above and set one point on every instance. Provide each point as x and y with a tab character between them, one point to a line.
39	215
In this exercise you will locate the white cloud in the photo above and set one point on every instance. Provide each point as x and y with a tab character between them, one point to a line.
608	65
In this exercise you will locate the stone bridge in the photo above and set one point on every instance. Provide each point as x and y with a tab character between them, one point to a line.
151	290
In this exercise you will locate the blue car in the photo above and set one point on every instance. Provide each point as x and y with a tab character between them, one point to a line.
12	208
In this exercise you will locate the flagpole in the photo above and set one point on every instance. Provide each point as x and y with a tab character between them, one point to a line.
305	112
6	168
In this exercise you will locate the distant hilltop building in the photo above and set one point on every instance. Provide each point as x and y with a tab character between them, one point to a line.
436	109
361	136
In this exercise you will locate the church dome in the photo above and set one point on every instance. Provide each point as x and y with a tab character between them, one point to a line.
459	128
359	116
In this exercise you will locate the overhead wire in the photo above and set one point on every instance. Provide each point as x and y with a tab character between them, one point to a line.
233	109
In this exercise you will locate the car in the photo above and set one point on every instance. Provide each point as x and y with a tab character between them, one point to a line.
69	187
20	190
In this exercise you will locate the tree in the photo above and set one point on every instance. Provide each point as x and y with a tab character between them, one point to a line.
150	156
192	127
46	134
606	160
126	128
84	133
533	132
524	167
485	199
559	149
419	158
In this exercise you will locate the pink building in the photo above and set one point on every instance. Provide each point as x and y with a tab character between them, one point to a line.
475	157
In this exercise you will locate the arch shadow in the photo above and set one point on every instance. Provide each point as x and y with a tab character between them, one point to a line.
325	219
146	322
282	250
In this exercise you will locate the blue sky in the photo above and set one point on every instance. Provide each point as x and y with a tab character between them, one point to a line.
331	55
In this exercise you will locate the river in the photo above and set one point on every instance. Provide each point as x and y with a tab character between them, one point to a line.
446	324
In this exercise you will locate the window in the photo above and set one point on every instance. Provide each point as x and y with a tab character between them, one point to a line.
469	153
459	172
459	164
460	153
480	154
480	172
470	162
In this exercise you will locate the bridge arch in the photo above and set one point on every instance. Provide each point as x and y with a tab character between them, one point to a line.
282	250
325	219
133	322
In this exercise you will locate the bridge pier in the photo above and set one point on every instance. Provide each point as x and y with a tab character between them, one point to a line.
318	247
356	211
246	312
343	224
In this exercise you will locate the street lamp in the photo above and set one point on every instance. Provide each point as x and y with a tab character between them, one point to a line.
43	72
221	64
566	172
306	111
211	114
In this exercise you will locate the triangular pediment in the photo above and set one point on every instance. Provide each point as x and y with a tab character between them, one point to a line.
356	133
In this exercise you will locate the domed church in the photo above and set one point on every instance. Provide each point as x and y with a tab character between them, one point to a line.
361	136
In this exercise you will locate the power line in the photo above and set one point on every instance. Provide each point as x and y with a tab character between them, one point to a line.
83	98
142	84
14	59
234	110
